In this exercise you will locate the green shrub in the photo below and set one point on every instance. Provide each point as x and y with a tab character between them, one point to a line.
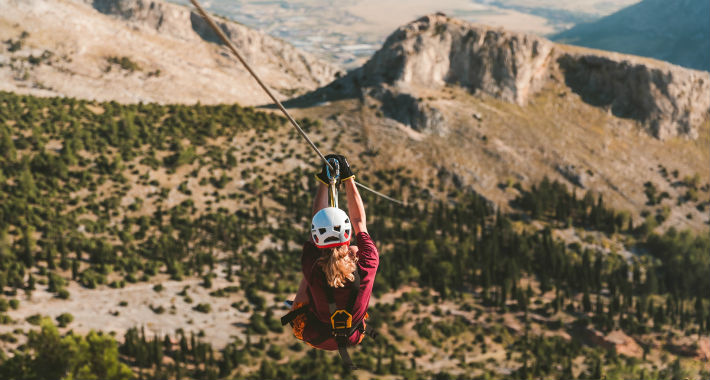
275	352
203	308
64	319
124	63
257	323
90	278
8	337
5	319
63	293
34	319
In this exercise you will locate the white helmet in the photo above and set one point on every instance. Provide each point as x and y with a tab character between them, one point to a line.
331	228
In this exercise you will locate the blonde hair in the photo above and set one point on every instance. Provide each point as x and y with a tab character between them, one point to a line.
338	265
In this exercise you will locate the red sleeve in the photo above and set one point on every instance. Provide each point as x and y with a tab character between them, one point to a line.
368	257
368	261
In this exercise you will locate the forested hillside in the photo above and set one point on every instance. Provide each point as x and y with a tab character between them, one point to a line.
108	196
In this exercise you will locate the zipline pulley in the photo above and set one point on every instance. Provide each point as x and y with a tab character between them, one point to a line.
333	179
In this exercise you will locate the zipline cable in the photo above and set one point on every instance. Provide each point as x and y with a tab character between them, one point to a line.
234	50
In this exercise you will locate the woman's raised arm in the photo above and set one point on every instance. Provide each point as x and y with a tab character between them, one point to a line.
355	207
321	199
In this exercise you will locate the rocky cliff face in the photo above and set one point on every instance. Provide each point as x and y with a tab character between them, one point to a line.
261	48
669	100
436	50
258	48
158	15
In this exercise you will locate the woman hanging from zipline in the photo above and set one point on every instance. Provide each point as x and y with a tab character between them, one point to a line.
330	307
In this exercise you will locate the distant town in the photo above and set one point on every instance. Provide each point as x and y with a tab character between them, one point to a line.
349	32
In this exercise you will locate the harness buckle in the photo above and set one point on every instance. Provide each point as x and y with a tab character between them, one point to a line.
341	321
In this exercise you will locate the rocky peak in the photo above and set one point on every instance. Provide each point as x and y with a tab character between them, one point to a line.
436	50
257	47
145	51
153	14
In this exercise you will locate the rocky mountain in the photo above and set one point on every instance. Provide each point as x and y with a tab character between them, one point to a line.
675	31
490	107
436	51
142	50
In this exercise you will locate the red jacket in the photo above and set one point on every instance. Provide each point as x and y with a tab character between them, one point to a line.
368	261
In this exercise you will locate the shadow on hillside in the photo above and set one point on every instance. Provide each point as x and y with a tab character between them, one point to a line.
347	87
620	87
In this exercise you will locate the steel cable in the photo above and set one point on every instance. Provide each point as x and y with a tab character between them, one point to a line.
303	134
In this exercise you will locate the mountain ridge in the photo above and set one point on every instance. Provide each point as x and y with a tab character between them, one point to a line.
600	121
436	50
158	52
676	31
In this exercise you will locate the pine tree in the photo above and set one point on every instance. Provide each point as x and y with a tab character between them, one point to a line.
586	302
7	146
700	312
74	269
27	246
393	363
597	371
378	368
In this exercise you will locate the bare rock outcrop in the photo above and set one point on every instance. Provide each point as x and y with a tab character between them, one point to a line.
574	174
143	51
617	340
410	111
669	100
158	15
436	50
257	47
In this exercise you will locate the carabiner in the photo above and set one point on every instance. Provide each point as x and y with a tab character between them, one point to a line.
333	177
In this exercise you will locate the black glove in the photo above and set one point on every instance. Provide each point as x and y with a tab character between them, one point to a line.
345	171
323	175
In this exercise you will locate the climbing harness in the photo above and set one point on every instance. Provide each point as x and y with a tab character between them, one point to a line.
341	321
234	50
341	326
